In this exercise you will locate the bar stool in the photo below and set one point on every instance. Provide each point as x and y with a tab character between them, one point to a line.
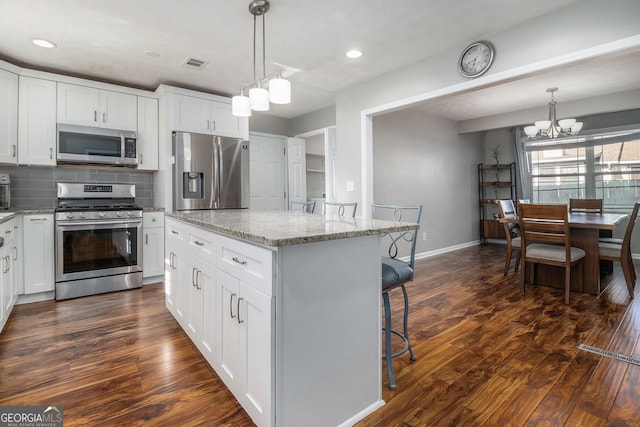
395	273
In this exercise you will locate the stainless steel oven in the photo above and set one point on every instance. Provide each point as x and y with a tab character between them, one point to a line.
98	235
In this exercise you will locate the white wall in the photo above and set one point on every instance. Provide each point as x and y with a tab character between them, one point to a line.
421	159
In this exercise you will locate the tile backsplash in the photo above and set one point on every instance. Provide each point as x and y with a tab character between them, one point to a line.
35	187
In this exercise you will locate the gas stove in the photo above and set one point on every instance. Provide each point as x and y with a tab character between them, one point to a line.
98	239
96	202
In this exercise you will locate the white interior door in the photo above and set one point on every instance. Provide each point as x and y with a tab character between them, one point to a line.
297	169
267	172
330	149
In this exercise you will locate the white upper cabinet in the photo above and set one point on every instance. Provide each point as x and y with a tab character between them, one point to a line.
87	106
147	134
199	115
8	117
36	122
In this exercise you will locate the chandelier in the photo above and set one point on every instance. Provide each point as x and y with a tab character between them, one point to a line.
553	128
279	91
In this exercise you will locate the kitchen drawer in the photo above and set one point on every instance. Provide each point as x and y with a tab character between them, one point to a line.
152	219
202	243
248	263
177	231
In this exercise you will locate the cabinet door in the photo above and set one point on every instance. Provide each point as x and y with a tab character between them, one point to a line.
147	134
254	317
194	312
226	124
38	246
3	290
15	272
175	266
36	122
203	306
118	110
192	114
227	361
152	252
78	105
8	117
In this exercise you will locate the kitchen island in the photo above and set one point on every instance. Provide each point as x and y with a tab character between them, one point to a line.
285	307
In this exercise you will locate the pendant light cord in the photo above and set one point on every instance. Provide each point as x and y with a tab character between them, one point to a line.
254	47
264	49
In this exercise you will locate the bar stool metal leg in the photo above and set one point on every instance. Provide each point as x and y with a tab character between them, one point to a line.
388	330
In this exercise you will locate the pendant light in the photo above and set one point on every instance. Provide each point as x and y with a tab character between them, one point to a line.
279	89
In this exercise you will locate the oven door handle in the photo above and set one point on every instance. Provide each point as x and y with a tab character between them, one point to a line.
81	223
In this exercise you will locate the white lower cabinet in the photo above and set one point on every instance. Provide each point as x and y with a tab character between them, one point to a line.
243	342
175	269
8	271
153	241
200	319
39	271
229	320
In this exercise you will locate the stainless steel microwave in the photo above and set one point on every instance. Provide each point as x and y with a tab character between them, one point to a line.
86	145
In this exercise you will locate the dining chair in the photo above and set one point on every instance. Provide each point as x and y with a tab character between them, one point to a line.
509	220
396	273
544	230
585	206
304	207
621	252
339	208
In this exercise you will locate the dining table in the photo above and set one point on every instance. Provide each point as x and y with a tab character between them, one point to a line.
585	231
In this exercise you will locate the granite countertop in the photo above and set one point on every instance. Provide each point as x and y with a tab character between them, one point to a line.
11	213
278	228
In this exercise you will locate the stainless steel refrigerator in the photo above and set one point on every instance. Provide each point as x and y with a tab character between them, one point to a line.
210	172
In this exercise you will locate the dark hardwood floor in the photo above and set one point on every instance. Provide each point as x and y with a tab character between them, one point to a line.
486	356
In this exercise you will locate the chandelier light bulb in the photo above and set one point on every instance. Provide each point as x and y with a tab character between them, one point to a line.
565	124
577	127
531	131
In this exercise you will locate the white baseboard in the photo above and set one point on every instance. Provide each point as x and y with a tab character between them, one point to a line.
447	249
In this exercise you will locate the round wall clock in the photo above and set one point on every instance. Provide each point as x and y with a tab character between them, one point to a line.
475	59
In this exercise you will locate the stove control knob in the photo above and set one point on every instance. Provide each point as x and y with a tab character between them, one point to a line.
101	214
130	214
70	215
83	215
119	214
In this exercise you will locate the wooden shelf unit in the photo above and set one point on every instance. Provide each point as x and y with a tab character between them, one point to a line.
495	182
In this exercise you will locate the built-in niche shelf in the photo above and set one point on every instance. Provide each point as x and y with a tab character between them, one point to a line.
315	163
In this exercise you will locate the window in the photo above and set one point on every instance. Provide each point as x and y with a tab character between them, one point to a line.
604	164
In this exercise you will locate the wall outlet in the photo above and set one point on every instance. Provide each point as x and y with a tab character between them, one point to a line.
424	236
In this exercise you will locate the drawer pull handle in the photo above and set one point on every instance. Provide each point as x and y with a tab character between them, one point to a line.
198	279
231	306
174	232
239	321
239	261
37	219
198	243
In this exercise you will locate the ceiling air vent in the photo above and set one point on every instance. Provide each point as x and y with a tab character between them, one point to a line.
197	64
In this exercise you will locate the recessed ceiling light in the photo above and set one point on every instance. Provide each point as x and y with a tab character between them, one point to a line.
354	53
152	53
44	43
